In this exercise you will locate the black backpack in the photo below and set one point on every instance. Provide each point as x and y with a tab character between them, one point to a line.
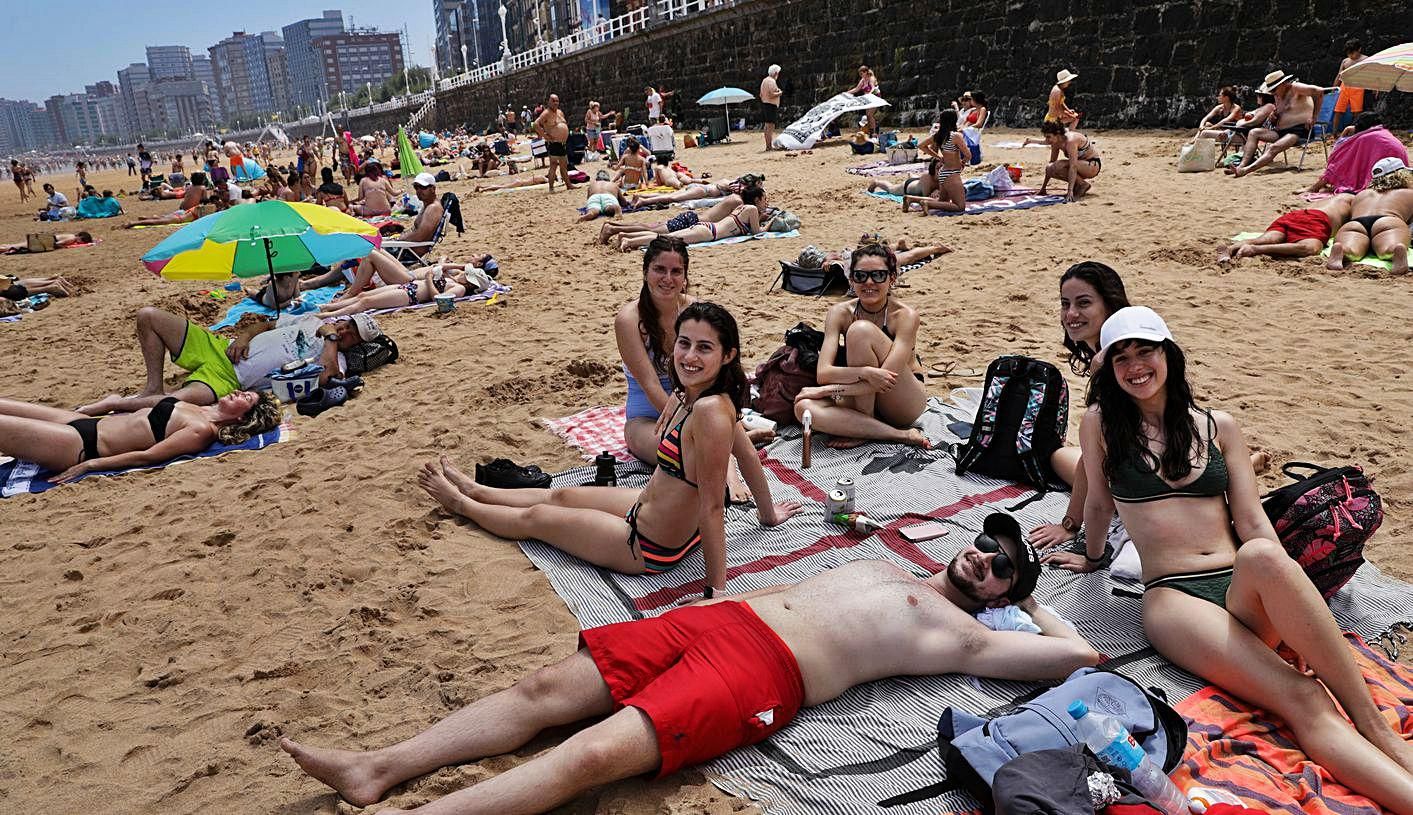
1024	414
367	356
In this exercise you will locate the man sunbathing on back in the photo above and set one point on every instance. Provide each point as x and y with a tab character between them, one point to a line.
192	200
699	681
1299	233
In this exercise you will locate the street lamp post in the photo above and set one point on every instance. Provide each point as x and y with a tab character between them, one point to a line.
465	66
504	37
370	96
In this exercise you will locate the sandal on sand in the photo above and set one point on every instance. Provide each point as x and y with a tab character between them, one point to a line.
336	393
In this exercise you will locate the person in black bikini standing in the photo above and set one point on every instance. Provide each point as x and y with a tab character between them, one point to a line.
870	389
681	509
1081	163
1221	592
72	444
949	153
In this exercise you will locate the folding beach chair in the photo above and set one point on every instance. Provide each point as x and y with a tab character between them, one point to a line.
1323	128
407	252
715	132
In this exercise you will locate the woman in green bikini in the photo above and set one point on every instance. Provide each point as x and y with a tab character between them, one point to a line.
1221	592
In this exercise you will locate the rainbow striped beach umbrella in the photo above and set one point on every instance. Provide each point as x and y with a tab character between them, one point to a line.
1389	70
266	238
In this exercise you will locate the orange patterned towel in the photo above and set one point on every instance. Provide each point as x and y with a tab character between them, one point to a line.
1250	753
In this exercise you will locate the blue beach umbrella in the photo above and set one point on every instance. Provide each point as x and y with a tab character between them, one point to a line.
726	97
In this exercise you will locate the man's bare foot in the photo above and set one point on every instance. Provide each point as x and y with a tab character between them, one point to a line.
461	480
352	775
1240	171
1260	461
902	245
1336	261
1399	260
1247	250
844	443
436	484
916	439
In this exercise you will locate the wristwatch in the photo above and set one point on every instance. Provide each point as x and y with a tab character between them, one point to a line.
1069	524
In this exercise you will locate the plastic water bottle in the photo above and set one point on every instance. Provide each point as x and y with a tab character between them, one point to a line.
1111	742
605	470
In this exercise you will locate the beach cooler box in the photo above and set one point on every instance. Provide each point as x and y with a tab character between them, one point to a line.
293	385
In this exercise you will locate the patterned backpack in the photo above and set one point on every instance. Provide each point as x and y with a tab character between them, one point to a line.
1323	520
1024	414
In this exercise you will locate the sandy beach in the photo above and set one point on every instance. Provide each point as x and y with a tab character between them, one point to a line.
161	630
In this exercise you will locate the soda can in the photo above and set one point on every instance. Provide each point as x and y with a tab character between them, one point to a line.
847	485
835	502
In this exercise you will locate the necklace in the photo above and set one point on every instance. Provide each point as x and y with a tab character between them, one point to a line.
865	310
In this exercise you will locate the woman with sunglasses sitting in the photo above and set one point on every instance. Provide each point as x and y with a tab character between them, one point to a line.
872	388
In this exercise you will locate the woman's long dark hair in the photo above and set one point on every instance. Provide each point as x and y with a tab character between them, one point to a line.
946	125
1123	433
649	320
1110	286
731	380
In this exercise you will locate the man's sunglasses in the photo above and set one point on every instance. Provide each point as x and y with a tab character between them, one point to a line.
1002	566
864	275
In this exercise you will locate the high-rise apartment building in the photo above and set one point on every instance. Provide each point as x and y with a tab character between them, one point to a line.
132	87
359	57
242	64
23	126
304	63
169	62
201	71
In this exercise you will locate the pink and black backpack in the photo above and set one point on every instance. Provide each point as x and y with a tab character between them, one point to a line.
1323	520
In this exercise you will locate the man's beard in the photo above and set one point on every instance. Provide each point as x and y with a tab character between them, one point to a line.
964	583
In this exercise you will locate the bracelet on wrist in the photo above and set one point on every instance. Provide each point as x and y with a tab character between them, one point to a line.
708	592
1105	555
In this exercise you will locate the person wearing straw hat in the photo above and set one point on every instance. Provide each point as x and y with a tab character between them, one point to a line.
1220	591
1296	106
1056	108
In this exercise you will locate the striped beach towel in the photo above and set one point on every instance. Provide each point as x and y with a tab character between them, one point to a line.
879	740
1234	747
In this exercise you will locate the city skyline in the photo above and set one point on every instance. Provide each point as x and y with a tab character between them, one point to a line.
126	37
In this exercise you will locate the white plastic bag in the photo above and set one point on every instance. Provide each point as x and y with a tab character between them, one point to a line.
1198	156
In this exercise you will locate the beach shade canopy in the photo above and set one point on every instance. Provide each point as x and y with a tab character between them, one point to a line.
266	238
408	163
1389	70
726	97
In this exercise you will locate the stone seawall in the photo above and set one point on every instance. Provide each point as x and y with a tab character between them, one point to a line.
1141	63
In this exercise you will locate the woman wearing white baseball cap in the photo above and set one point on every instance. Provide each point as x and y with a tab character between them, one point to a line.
1221	592
1379	224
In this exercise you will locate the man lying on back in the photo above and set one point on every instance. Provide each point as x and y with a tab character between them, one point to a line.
699	681
218	366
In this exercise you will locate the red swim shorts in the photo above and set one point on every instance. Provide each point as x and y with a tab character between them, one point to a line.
710	678
1302	224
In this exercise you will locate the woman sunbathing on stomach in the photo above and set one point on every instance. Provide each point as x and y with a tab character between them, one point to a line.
434	280
72	444
743	220
869	388
681	509
1221	591
682	220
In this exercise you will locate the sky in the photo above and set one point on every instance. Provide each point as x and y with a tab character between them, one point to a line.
67	44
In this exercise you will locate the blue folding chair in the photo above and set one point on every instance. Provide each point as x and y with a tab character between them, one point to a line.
1323	127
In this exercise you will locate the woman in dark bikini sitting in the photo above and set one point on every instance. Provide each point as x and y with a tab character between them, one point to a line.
870	388
1081	162
681	509
72	444
950	154
743	220
1221	592
1090	292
